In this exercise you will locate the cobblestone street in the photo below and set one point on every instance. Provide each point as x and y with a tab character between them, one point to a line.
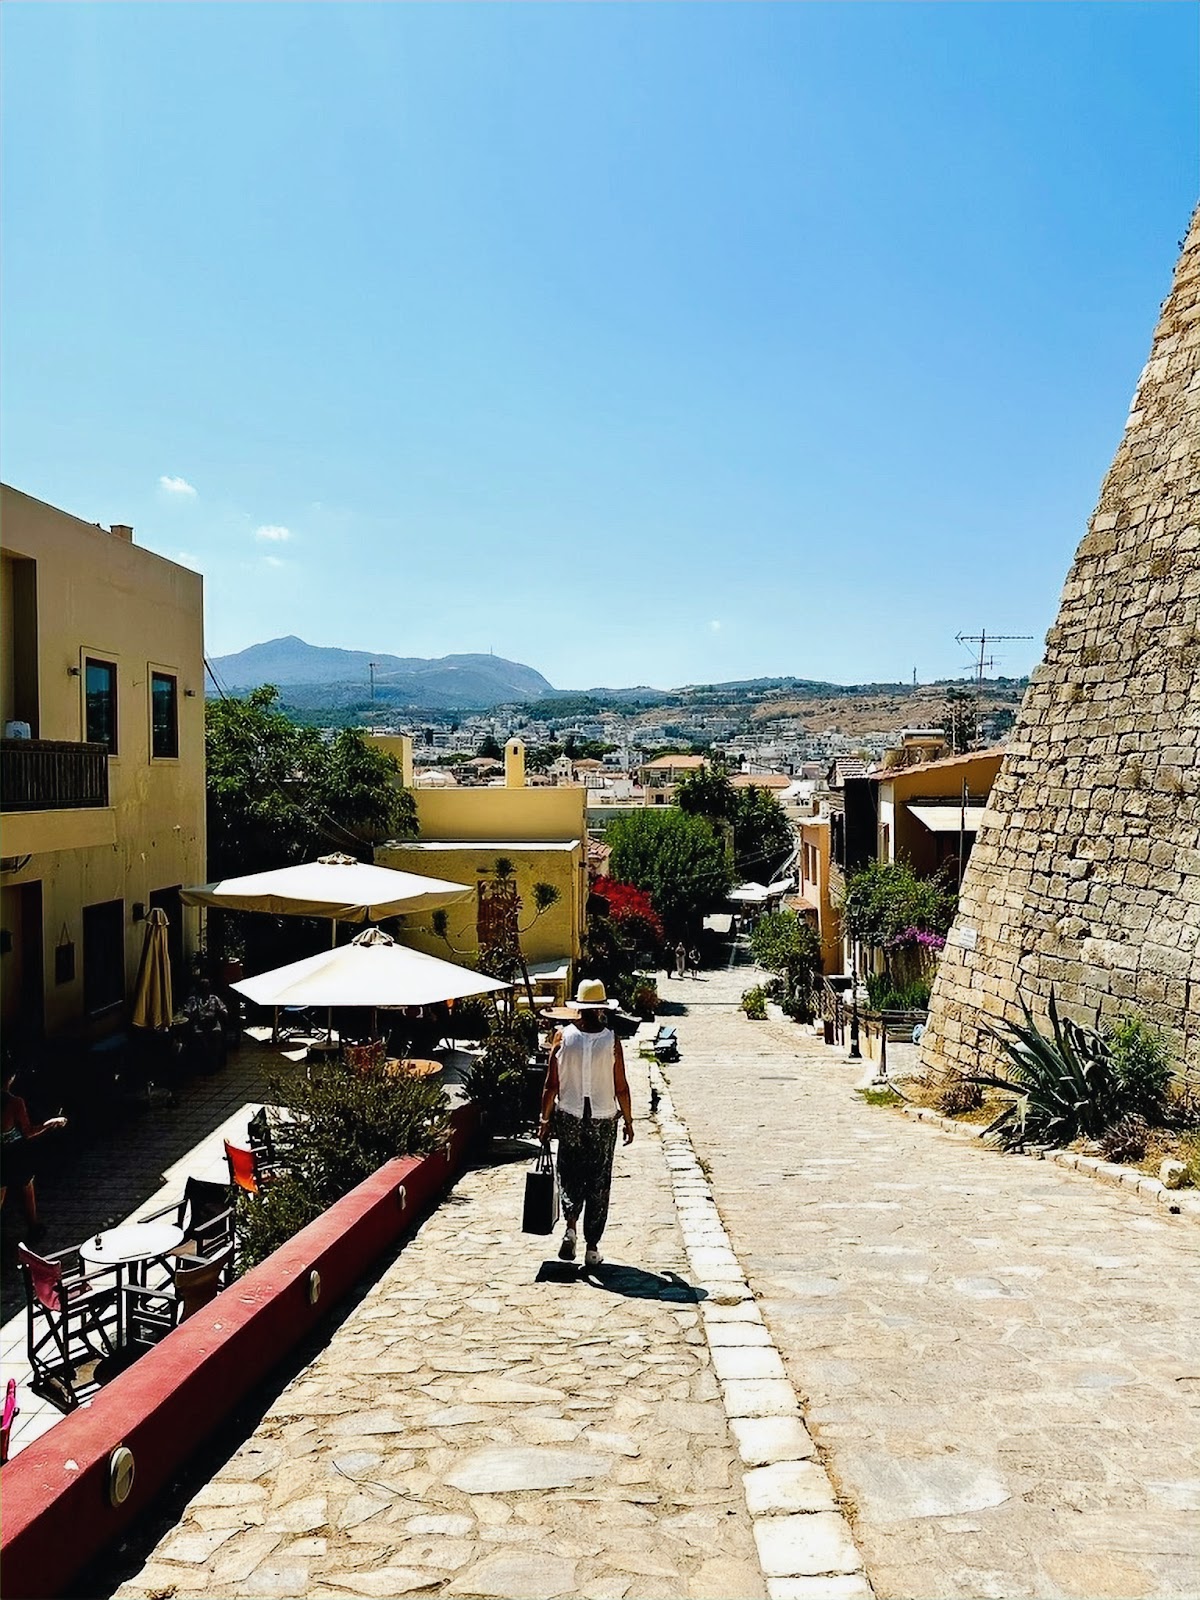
1000	1360
486	1425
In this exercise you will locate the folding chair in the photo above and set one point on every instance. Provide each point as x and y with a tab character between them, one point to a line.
206	1214
248	1169
11	1412
67	1309
150	1314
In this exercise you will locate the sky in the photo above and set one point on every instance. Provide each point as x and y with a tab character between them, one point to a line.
640	343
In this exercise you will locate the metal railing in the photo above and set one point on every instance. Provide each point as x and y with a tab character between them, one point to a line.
52	775
833	1011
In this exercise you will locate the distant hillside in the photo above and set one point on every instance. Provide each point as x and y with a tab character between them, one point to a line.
317	677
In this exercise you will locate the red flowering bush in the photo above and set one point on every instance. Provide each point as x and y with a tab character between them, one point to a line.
631	911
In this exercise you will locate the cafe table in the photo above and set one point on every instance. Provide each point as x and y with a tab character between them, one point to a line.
131	1248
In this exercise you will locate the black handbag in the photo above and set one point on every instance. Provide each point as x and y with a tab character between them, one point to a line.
541	1195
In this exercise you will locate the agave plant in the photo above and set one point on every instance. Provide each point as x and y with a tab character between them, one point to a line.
1064	1083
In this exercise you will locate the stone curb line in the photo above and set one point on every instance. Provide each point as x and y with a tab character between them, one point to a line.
805	1547
1179	1202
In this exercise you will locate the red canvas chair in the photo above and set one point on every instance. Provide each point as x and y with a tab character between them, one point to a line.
11	1412
71	1317
248	1169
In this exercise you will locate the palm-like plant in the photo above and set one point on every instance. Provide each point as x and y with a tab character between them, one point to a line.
1064	1083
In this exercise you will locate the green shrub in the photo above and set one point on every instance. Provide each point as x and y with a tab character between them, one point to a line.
960	1095
1142	1062
886	995
499	1080
340	1126
1126	1140
754	1004
798	1007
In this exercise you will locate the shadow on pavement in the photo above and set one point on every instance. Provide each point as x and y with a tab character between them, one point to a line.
632	1282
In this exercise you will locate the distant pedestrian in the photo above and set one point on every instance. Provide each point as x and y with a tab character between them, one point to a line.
17	1133
694	962
681	960
586	1081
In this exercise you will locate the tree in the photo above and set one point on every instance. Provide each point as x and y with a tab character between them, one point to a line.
278	794
958	723
762	835
677	859
489	746
787	944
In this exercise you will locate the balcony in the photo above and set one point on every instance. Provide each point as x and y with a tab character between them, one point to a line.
52	775
54	796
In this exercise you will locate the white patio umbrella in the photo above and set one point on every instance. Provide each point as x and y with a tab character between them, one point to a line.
334	886
371	971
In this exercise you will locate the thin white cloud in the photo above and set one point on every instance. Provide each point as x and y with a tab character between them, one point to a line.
714	627
273	533
185	558
273	561
179	486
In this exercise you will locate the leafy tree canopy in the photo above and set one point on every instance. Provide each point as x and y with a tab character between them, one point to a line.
489	747
278	793
762	835
678	859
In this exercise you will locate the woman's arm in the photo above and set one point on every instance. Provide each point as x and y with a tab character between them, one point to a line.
30	1130
621	1085
550	1092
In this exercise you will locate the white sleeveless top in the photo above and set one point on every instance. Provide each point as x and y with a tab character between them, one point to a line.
586	1065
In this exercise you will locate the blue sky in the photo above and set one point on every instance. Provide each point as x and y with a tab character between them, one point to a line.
643	343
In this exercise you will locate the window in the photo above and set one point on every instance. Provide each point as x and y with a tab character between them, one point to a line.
100	697
164	714
103	956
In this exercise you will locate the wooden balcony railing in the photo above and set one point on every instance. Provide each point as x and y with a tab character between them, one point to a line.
52	775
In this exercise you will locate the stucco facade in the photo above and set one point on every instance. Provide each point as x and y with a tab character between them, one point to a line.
99	636
463	832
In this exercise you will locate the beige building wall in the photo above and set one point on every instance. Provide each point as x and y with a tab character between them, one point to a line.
463	832
400	747
813	874
70	590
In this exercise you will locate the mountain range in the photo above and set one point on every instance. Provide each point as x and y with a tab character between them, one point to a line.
314	676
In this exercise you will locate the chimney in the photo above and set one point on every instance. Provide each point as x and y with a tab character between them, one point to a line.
122	530
514	764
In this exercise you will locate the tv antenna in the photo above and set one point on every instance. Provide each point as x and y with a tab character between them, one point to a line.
983	639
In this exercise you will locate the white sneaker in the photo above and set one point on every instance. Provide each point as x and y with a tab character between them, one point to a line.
592	1256
566	1250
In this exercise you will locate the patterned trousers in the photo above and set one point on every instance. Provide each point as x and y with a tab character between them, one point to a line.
585	1159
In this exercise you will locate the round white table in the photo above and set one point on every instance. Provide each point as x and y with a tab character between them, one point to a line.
131	1243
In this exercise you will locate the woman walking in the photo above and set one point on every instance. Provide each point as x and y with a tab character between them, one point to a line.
586	1079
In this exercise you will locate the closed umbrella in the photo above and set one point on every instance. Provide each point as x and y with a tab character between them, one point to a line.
371	971
153	1007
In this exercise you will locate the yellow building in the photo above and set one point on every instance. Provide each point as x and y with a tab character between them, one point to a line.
814	872
465	831
102	799
928	814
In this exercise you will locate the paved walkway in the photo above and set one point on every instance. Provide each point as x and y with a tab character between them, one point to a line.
488	1423
1000	1359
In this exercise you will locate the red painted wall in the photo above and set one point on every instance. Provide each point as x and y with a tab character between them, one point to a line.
56	1518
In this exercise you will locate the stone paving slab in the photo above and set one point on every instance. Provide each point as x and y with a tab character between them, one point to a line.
999	1362
487	1422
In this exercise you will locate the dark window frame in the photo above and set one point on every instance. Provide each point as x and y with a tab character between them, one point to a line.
161	675
110	667
103	961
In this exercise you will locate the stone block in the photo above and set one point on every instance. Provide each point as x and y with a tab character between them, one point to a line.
806	1545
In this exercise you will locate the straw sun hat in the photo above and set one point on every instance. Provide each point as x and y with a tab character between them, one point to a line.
590	996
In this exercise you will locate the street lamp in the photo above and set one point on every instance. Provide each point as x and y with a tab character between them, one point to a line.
855	1052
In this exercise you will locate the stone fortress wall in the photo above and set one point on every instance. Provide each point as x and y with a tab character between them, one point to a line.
1085	874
